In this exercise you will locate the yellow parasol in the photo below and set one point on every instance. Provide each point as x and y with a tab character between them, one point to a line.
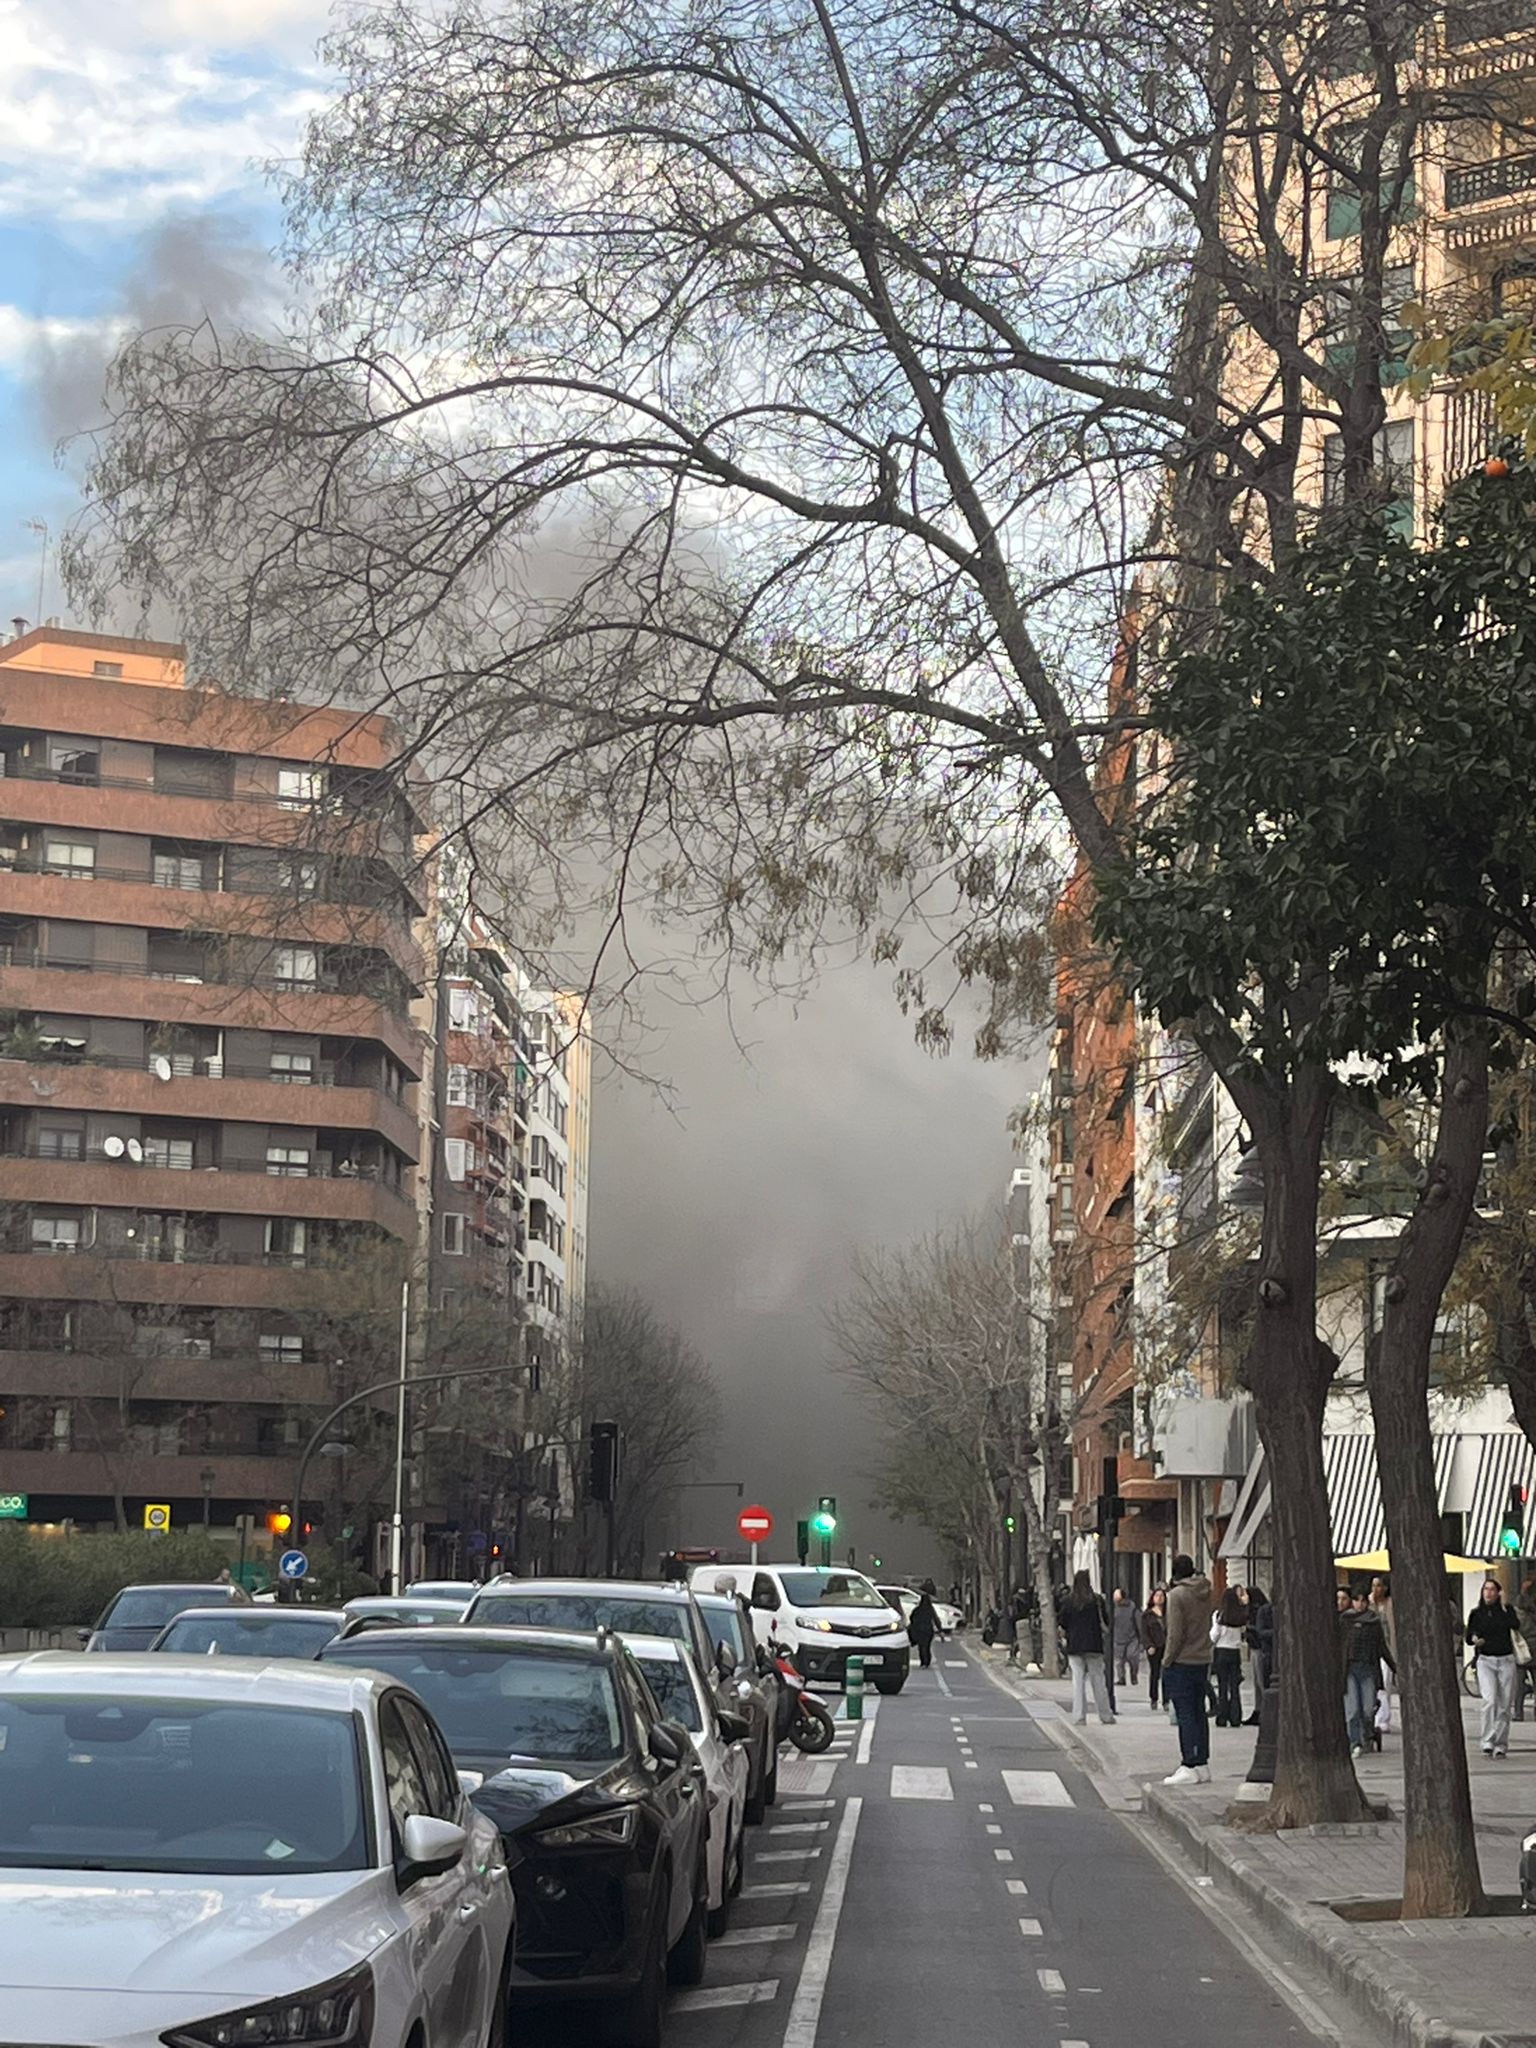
1380	1561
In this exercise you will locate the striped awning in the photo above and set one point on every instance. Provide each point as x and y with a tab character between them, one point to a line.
1354	1494
1507	1460
1249	1510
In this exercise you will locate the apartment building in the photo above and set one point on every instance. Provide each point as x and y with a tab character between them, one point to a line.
208	1073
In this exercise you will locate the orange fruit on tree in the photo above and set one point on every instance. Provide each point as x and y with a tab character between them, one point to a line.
1496	466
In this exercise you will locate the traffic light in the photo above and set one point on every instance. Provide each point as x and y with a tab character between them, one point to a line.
824	1521
802	1540
603	1462
878	1563
279	1522
1512	1528
1010	1523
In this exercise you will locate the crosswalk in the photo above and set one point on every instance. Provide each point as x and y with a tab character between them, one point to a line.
1024	1788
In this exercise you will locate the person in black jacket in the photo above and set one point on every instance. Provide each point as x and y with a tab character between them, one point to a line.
922	1626
1363	1648
1154	1634
1260	1638
1491	1631
1083	1622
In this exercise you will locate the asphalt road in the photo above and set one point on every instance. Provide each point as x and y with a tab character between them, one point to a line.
947	1878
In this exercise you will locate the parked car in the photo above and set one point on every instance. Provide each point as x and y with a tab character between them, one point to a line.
754	1691
823	1614
599	1799
719	1738
397	1610
904	1599
249	1631
462	1590
200	1852
135	1616
632	1606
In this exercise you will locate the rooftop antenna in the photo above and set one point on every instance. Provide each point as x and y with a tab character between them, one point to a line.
40	527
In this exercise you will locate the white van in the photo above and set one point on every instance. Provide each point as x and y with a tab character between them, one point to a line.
824	1614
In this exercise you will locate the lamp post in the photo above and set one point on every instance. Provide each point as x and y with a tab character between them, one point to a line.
206	1478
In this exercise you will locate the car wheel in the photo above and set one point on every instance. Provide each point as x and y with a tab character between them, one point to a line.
886	1687
720	1916
634	2021
685	1965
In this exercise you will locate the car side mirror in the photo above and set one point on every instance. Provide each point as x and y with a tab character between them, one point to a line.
429	1846
665	1746
470	1781
734	1727
725	1659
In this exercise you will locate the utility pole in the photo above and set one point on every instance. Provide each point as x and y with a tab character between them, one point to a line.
397	1521
1111	1509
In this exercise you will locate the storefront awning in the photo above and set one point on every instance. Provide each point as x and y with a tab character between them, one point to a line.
1249	1510
1354	1495
1507	1460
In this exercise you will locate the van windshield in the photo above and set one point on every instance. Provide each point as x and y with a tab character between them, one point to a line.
830	1589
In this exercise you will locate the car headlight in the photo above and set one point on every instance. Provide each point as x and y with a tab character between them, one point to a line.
810	1621
334	2015
603	1831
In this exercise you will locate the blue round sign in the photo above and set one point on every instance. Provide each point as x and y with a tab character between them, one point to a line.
293	1564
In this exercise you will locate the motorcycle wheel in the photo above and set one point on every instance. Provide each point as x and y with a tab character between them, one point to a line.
812	1729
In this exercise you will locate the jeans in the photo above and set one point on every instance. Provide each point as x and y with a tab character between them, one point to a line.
1184	1689
1227	1668
1154	1673
1127	1663
1497	1678
1085	1669
1360	1703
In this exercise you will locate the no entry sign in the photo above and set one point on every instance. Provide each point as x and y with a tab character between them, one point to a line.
755	1525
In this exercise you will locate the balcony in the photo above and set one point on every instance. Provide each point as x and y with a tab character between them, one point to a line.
1469	431
1502	177
228	1377
239	1187
72	1471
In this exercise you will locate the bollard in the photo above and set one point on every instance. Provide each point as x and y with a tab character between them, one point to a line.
853	1689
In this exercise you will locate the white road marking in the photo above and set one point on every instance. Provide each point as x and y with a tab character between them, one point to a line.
908	1781
1016	1885
818	1779
971	1764
1031	1928
1036	1788
783	1855
1003	1855
754	1937
985	1808
955	1721
773	1891
805	2013
806	1805
713	1996
955	1663
799	1827
866	1742
1074	2044
993	1828
944	1685
1052	1981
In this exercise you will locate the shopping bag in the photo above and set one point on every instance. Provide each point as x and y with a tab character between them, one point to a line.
1383	1713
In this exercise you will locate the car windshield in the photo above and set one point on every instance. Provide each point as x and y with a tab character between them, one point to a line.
247	1635
830	1589
673	1690
629	1613
726	1627
410	1613
88	1783
154	1606
533	1703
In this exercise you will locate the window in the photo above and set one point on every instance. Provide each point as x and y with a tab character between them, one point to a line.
292	1066
280	1347
402	1772
300	789
111	669
463	1009
69	857
298	966
61	1141
445	1796
458	1158
74	761
1393	459
454	1234
55	1233
459	1087
290	1161
176	1152
178	871
298	877
1344	194
287	1240
1342	316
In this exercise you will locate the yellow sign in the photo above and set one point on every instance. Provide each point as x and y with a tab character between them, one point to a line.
158	1517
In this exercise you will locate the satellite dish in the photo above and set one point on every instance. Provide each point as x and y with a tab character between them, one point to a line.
135	1151
160	1067
113	1147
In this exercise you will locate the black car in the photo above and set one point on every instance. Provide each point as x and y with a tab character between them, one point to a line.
136	1615
749	1677
249	1632
631	1606
600	1802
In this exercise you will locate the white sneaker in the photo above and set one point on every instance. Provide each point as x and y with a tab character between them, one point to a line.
1186	1774
1203	1772
1354	1753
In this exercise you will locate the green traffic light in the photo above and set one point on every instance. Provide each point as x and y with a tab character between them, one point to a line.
1009	1524
824	1525
1509	1542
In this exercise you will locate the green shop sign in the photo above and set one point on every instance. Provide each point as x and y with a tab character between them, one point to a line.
14	1507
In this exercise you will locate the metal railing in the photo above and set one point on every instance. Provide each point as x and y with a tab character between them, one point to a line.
1486	21
318	1168
362	982
1499	178
214	881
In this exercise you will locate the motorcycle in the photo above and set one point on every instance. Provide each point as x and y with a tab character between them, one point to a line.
803	1720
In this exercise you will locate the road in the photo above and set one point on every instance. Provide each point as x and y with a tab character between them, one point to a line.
949	1875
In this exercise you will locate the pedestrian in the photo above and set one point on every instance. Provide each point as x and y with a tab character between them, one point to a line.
1125	1622
1154	1636
931	1592
1491	1630
1227	1626
1260	1638
1083	1621
1525	1607
1363	1650
922	1625
1186	1669
1023	1616
1386	1614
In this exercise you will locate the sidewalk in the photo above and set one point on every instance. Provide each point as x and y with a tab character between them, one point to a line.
1415	1984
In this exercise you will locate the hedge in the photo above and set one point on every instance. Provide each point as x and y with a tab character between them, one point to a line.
66	1581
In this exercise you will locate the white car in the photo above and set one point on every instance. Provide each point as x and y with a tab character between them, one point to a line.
824	1614
201	1851
719	1739
904	1599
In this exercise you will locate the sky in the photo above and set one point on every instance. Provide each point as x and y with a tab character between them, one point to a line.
132	193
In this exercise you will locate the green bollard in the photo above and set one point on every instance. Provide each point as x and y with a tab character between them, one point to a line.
853	1687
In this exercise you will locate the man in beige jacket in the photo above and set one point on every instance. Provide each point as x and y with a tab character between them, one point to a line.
1187	1668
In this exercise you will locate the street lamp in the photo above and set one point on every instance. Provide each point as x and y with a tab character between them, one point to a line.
206	1478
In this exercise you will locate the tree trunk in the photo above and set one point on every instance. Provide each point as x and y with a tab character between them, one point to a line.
1440	1871
1035	1526
1288	1370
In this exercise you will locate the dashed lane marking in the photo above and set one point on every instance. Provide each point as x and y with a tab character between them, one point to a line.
866	1743
971	1764
799	1827
1029	1928
909	1781
755	1937
805	2013
944	1684
806	1805
993	1828
712	1997
1016	1886
985	1808
1003	1855
783	1855
1052	1981
1036	1788
773	1891
954	1663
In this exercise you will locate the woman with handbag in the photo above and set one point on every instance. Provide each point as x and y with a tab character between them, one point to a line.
1493	1628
